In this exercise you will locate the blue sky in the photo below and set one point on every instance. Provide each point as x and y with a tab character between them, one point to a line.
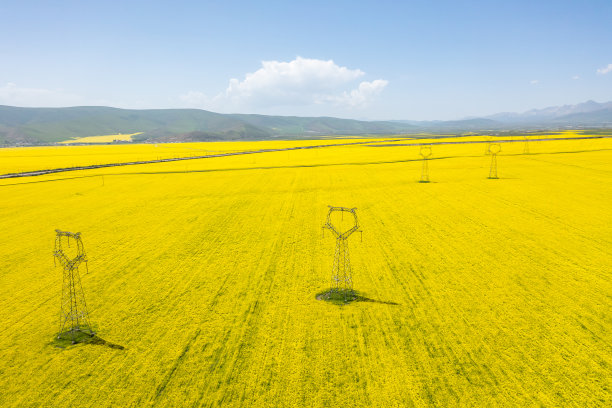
416	60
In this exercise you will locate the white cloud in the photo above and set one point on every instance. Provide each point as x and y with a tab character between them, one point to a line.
534	82
11	94
302	82
576	77
362	95
605	70
281	79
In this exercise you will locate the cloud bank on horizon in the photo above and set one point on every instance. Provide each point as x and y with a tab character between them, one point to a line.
302	82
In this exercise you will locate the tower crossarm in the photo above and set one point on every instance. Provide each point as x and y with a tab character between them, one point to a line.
67	262
330	226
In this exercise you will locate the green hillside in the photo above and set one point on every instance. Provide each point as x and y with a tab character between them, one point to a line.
49	125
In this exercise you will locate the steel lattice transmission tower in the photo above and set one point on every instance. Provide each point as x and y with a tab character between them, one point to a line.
342	274
73	315
526	147
425	153
494	148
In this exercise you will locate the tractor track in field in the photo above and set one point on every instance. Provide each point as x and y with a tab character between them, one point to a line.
372	143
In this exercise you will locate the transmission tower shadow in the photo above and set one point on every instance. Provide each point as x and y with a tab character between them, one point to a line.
65	340
340	298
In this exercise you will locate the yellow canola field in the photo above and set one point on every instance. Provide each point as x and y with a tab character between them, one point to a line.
124	137
441	139
21	159
483	292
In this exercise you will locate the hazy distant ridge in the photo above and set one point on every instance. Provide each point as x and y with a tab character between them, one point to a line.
552	113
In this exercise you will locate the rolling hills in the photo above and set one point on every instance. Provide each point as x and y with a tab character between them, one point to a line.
32	126
49	125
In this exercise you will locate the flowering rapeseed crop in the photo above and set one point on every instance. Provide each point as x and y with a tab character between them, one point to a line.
483	292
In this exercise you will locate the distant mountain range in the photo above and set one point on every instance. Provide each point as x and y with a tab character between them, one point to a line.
582	112
25	126
588	114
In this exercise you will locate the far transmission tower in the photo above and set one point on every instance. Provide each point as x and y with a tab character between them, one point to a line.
425	153
73	316
493	150
342	274
526	147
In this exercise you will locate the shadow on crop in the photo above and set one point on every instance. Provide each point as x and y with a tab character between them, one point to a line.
68	339
344	297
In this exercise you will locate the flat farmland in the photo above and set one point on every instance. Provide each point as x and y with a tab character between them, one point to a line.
481	292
